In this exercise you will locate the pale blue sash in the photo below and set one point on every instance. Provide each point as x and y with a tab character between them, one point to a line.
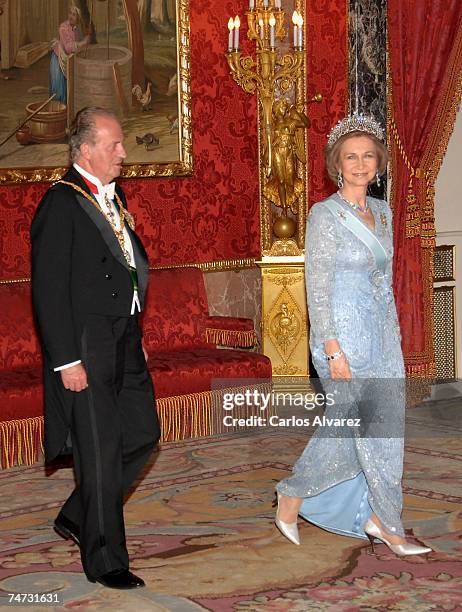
360	230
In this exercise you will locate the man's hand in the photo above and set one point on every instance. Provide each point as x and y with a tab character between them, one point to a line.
74	378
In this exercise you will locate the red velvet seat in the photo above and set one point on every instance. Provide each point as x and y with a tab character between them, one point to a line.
203	369
21	394
175	324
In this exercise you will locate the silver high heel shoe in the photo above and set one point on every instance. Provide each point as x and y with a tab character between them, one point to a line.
373	531
289	530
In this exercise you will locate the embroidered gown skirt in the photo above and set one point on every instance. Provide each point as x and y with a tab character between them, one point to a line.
347	473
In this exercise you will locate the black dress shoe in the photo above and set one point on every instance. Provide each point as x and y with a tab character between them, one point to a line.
67	529
119	579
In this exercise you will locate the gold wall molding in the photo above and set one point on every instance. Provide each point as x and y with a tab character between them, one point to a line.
12	281
284	277
211	266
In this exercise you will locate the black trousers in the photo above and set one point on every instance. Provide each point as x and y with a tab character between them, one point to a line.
114	430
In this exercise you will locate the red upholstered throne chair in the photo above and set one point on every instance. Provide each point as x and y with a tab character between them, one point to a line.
189	371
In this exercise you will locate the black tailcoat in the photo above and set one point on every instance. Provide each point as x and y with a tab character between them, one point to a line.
78	270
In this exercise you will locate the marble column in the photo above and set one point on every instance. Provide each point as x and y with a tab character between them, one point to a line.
367	27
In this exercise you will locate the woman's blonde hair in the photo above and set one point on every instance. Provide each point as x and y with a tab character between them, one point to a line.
78	12
332	154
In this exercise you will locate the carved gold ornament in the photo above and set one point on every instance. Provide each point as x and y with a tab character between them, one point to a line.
285	327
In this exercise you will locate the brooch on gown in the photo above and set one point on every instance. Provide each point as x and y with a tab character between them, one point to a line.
383	219
376	277
381	289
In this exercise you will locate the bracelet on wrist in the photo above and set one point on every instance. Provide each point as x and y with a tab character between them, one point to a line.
334	356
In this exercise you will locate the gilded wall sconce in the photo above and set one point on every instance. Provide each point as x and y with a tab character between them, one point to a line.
277	77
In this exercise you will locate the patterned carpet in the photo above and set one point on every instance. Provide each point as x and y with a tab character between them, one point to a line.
201	534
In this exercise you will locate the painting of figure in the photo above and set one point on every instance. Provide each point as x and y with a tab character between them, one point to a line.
70	40
58	56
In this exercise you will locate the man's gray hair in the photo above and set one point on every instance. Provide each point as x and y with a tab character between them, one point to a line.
83	129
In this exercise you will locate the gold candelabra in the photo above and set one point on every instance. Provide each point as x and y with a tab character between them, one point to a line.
271	75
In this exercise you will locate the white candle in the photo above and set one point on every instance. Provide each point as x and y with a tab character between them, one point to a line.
251	4
277	4
262	31
272	22
265	3
237	25
295	21
230	36
300	31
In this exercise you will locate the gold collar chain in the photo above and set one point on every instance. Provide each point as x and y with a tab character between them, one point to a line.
123	214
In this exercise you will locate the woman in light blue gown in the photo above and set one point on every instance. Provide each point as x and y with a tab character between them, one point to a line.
348	479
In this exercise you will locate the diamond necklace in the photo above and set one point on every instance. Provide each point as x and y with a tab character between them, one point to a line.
354	205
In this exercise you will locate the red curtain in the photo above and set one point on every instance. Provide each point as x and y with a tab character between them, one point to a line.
425	55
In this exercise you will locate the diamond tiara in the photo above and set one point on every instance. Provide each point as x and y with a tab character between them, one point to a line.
355	123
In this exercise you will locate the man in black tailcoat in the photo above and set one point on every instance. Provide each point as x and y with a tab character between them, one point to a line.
89	278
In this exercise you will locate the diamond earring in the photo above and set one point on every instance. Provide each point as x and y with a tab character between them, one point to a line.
377	177
339	179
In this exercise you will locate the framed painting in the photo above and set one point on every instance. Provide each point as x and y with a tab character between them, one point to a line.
58	56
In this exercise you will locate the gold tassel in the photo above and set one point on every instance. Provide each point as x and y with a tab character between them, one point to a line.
201	414
183	416
21	441
231	337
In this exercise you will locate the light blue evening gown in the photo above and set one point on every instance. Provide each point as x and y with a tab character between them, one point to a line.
345	474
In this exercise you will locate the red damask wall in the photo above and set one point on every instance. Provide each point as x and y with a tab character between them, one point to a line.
213	215
327	73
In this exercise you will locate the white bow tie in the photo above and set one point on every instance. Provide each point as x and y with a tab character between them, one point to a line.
107	191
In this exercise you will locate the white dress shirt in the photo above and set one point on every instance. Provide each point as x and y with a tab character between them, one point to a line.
108	190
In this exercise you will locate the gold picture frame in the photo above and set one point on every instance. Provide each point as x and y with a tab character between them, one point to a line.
158	141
